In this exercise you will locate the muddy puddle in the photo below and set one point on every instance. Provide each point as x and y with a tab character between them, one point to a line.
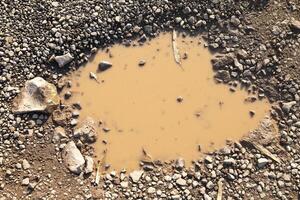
146	101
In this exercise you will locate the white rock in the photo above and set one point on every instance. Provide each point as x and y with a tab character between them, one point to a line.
124	184
25	181
87	132
89	164
72	158
181	182
261	162
63	59
59	133
136	175
151	190
37	95
25	164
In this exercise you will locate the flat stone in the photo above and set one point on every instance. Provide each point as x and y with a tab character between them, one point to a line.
124	184
72	158
229	161
37	96
25	181
151	190
87	131
63	59
59	133
25	164
181	182
136	175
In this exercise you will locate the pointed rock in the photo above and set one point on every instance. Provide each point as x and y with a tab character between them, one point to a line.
37	96
63	59
136	175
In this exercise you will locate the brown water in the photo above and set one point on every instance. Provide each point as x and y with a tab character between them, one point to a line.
141	105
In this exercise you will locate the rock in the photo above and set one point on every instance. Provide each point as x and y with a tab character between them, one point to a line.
104	65
151	190
124	184
72	158
223	75
25	182
261	162
89	164
210	185
220	63
59	117
179	164
181	182
59	133
209	159
242	54
37	96
63	59
25	164
87	132
136	175
142	63
229	161
286	107
148	29
295	25
186	10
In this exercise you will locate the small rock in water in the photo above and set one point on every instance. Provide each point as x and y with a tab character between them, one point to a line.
72	158
63	59
251	113
104	65
179	99
37	95
142	63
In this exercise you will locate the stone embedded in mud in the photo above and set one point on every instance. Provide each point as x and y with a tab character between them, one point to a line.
63	59
72	158
266	132
37	96
104	65
87	132
220	63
